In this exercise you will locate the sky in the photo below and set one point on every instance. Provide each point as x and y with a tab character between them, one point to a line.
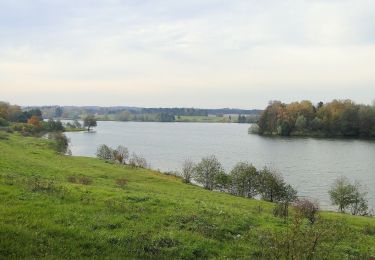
193	53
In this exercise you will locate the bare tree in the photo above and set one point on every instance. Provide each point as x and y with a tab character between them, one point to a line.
187	170
121	154
138	161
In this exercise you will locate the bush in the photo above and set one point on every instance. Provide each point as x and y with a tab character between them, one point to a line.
3	122
121	182
61	142
72	179
121	154
307	209
84	180
104	152
303	241
3	136
281	210
138	161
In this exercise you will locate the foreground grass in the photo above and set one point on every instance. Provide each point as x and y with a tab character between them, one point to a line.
58	206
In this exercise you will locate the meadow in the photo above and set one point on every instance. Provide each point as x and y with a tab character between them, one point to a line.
58	206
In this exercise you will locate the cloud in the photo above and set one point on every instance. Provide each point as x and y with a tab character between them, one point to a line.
237	53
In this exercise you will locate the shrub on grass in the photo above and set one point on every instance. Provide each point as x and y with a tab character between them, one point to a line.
301	240
369	230
138	161
84	180
61	142
281	210
72	179
121	182
307	209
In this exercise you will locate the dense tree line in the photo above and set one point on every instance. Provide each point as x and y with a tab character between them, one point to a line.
336	118
27	122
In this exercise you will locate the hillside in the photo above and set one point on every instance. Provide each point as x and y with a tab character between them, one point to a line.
59	206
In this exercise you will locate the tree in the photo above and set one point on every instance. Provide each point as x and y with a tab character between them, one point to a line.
273	188
348	196
206	171
121	154
89	121
59	111
301	123
359	205
34	120
245	180
223	181
104	152
187	170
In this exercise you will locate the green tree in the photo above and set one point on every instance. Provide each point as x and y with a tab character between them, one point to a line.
273	188
301	123
104	152
89	121
223	181
348	196
245	180
206	171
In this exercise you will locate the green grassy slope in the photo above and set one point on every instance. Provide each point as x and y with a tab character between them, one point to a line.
42	214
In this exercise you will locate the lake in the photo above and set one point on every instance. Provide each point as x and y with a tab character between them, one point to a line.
309	164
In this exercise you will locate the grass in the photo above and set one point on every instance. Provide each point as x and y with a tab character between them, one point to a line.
55	206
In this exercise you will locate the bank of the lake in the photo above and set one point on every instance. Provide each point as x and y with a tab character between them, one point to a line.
55	206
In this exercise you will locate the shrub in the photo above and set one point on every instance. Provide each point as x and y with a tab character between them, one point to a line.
104	152
303	241
281	210
84	180
72	179
3	122
121	182
369	230
121	154
61	142
138	161
307	209
3	136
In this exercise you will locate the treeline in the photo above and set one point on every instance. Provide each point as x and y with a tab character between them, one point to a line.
141	114
29	122
337	118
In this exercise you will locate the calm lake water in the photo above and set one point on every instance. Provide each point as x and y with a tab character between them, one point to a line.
310	165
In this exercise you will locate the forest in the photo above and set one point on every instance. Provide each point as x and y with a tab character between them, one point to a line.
338	118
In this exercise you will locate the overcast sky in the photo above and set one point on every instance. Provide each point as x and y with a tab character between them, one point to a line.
193	53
